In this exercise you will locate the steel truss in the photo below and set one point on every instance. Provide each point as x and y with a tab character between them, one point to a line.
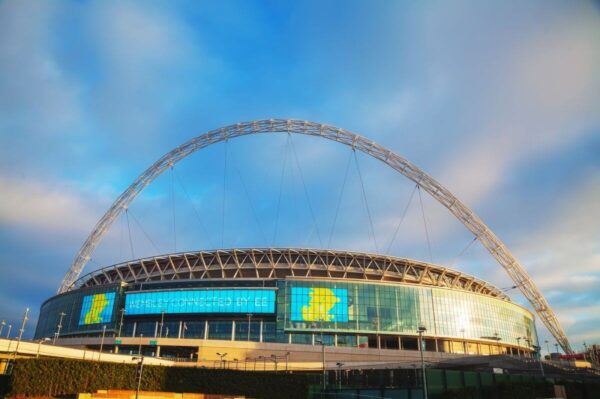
471	221
278	263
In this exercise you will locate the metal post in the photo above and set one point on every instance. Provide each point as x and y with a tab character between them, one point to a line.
421	330
37	355
464	341
121	323
2	324
21	330
519	346
141	370
339	374
287	355
249	324
538	349
8	332
102	341
58	327
222	355
162	322
140	347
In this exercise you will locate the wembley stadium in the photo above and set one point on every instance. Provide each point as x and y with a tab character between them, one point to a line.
283	300
255	307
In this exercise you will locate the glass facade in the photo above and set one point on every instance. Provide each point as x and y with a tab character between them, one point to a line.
401	309
349	314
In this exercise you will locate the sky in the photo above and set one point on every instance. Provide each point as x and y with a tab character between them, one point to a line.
499	101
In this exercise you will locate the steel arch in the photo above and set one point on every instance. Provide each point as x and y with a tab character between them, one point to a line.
471	221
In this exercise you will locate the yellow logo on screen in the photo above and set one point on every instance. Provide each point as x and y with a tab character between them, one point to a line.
321	301
94	315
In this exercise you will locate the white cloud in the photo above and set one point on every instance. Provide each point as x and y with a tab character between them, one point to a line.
546	95
45	206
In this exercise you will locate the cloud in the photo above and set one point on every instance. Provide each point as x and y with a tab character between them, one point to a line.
46	207
545	95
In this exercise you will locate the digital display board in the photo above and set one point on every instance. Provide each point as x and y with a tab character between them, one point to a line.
201	301
314	304
97	309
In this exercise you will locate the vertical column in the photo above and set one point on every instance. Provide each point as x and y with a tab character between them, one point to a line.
233	330
180	329
205	329
261	331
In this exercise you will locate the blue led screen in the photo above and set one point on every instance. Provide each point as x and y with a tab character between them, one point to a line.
201	301
319	304
97	309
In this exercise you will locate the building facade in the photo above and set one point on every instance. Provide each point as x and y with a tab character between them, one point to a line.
289	296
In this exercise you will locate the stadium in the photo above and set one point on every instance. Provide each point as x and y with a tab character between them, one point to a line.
253	308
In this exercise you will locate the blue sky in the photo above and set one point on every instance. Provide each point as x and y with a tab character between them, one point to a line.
500	101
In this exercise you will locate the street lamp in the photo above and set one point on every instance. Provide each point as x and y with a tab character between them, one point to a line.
547	348
287	355
421	330
58	327
519	346
102	341
322	342
236	363
37	355
162	322
139	371
140	347
249	324
556	346
339	374
121	323
538	350
222	356
274	359
2	324
497	339
8	331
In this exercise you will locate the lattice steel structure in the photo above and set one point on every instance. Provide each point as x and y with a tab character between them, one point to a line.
278	263
471	221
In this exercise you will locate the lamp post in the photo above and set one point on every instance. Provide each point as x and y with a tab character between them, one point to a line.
322	342
139	371
162	322
538	349
58	327
222	356
102	341
2	324
421	330
519	346
497	339
140	346
8	331
287	355
274	359
37	355
556	346
21	331
339	374
236	363
547	348
249	324
121	322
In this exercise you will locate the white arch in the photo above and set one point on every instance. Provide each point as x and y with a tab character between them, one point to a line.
403	166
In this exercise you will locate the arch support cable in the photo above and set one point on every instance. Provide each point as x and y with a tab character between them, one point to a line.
471	221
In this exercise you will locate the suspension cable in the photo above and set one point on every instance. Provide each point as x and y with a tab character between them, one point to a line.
129	230
425	224
254	214
173	209
412	194
144	231
465	249
285	156
121	236
312	213
337	209
196	212
364	195
224	195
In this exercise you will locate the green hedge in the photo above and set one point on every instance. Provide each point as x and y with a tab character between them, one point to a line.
67	377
